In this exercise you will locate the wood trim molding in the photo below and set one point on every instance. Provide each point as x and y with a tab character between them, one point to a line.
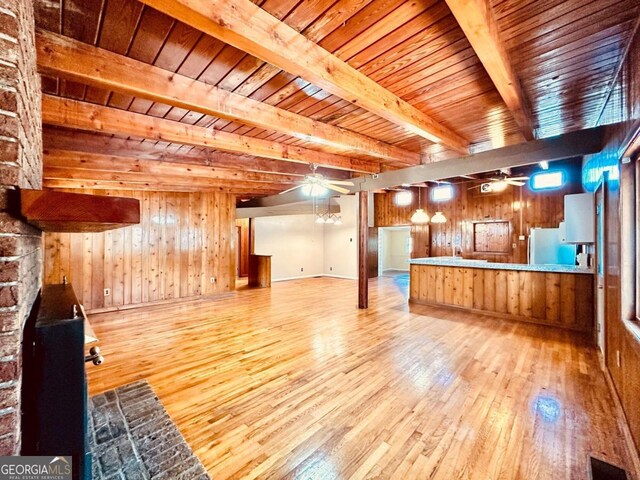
248	27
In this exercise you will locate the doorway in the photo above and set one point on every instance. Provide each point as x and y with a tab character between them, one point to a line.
394	250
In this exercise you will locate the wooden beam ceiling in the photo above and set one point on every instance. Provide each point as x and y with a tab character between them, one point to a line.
156	169
478	23
196	183
83	142
154	186
74	60
247	27
89	117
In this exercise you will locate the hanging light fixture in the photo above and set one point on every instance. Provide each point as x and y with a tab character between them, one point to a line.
319	218
330	219
338	220
419	216
438	217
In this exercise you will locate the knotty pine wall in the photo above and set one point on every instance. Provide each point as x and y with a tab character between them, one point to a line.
540	209
183	240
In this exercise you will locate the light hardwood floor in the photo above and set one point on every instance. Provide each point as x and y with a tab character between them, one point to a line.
295	382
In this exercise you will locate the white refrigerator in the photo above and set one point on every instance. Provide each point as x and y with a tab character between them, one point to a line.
546	247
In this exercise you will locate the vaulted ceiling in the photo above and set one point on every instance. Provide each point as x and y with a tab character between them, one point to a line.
356	86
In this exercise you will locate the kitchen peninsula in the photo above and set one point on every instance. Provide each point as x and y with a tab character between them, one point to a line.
557	295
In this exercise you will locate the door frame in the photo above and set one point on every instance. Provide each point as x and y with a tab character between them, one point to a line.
600	287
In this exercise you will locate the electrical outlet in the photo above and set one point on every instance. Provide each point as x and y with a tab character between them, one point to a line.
513	245
301	269
331	269
212	279
351	239
107	292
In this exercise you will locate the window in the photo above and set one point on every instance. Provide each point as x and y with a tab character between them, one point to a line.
548	180
403	198
442	193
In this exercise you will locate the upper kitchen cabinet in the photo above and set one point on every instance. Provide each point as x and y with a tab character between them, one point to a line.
578	217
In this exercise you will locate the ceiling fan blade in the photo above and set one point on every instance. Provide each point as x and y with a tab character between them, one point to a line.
475	186
514	182
344	191
340	182
519	178
291	189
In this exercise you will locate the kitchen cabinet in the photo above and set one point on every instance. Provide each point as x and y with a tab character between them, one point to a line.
579	218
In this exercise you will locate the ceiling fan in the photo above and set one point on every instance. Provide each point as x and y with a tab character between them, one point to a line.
498	184
315	184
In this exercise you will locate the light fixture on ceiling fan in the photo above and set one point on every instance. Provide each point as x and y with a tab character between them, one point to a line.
500	184
316	185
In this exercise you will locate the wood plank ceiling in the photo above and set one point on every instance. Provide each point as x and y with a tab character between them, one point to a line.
563	52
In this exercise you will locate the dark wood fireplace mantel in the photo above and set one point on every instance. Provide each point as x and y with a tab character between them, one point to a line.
54	211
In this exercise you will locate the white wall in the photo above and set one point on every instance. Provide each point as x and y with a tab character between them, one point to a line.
341	241
296	241
394	253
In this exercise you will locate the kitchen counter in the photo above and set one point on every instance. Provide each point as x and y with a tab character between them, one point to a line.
461	262
557	295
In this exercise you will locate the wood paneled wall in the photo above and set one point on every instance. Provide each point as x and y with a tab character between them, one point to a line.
539	209
182	241
560	299
532	209
388	214
622	333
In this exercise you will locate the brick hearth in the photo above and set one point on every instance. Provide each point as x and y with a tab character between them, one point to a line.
134	438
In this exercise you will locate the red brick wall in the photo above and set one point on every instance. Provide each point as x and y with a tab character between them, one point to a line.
20	167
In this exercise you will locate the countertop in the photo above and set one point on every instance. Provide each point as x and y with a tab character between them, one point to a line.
460	262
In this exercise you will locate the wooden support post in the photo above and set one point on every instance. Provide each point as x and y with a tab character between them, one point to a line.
363	240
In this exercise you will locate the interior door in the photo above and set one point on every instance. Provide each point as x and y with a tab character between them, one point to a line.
601	230
239	251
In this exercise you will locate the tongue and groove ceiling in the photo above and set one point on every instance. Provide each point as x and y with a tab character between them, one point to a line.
564	53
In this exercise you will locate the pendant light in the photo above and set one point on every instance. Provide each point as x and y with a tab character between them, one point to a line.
438	217
419	216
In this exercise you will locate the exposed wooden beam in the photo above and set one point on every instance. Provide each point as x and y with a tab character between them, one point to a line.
302	208
569	145
75	141
66	173
155	168
241	192
478	23
247	27
74	60
89	117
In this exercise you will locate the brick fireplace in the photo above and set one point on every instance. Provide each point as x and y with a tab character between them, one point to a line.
20	167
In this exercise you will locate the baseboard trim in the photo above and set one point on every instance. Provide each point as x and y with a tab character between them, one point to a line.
192	299
622	422
313	276
295	278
